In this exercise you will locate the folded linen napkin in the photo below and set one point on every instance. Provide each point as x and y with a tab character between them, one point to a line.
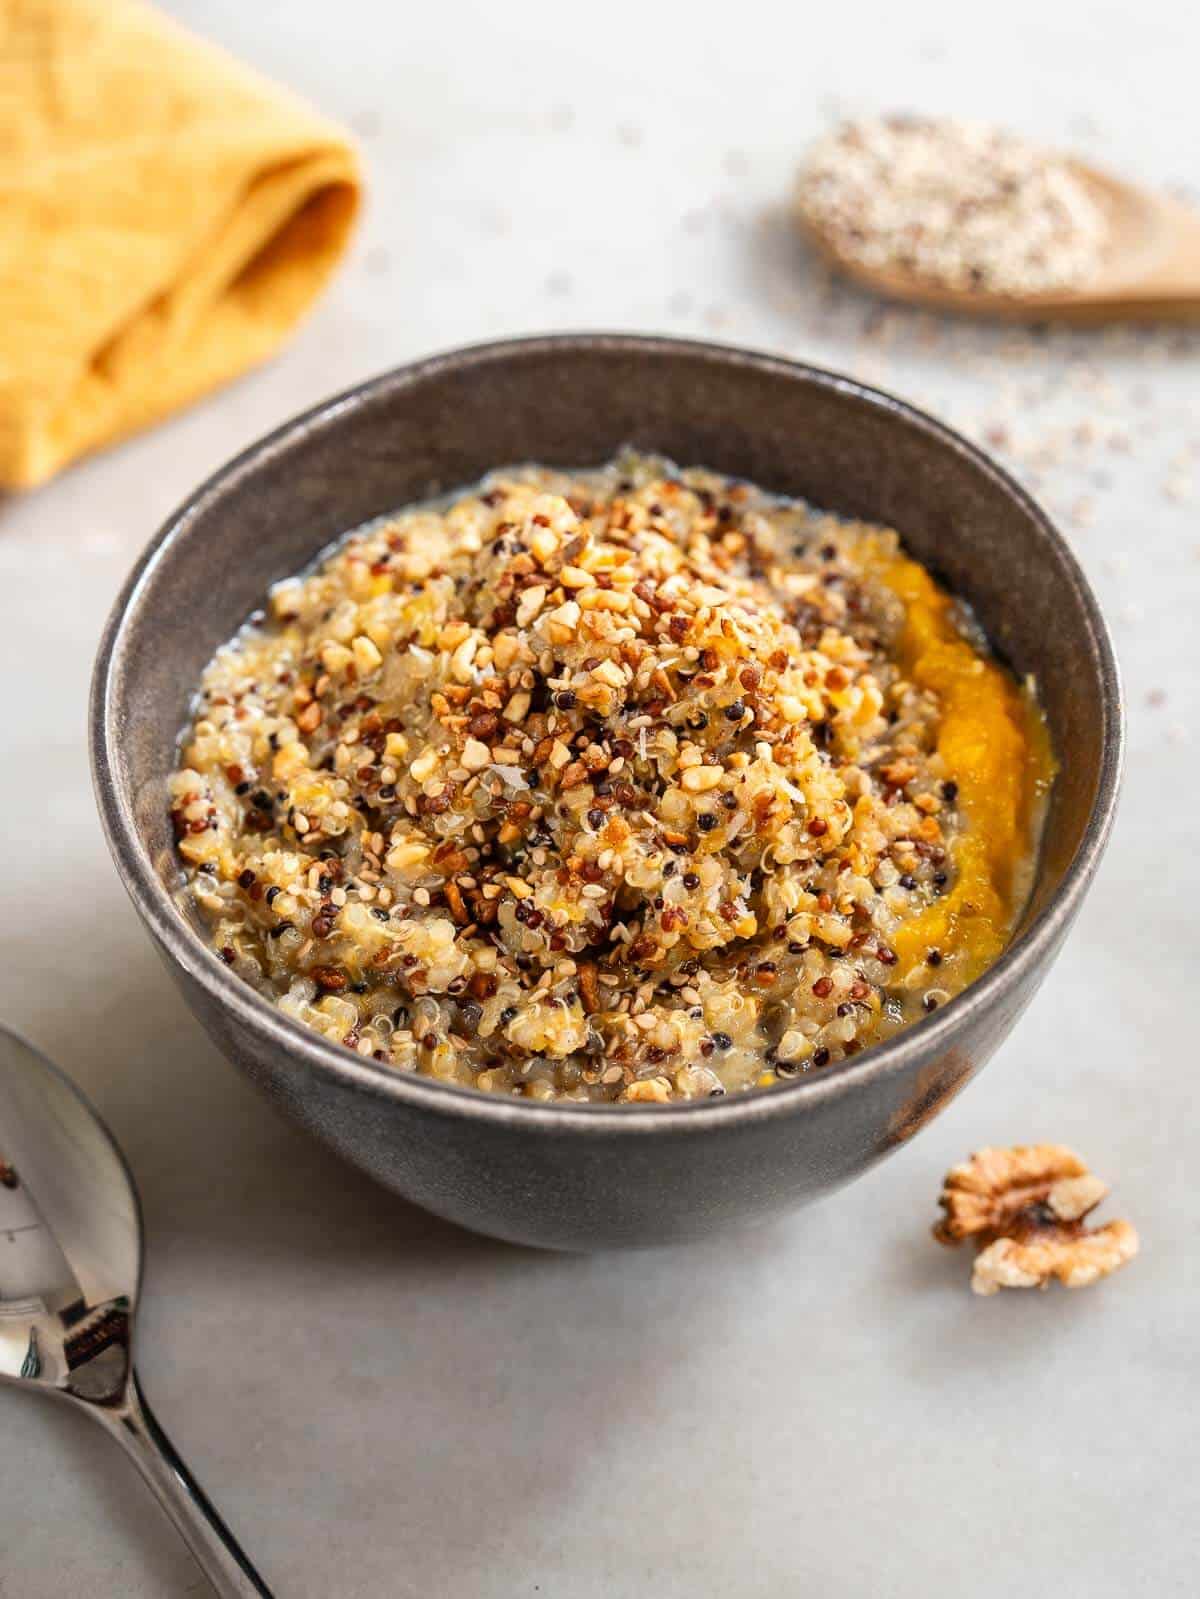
166	216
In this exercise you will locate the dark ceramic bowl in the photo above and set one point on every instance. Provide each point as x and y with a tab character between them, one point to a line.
571	1176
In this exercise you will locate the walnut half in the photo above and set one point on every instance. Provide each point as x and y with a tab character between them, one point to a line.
1025	1208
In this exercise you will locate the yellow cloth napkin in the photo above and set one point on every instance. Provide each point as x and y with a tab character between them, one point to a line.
166	216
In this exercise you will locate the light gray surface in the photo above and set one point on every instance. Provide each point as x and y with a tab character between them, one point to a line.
387	1407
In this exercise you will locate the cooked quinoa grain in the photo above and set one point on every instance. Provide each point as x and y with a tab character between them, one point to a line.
626	785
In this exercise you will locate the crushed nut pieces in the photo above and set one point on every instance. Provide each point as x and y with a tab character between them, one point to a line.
630	785
1025	1209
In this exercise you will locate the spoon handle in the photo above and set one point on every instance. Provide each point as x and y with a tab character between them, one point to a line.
217	1551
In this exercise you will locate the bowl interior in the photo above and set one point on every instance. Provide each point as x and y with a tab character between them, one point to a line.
574	401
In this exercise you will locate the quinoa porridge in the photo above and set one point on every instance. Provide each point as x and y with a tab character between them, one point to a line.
629	784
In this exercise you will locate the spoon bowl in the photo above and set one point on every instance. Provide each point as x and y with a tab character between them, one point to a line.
1150	273
70	1273
69	1276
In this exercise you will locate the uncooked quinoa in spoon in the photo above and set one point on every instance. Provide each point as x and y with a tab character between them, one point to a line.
963	205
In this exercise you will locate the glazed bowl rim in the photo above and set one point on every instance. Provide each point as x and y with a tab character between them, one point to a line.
924	1039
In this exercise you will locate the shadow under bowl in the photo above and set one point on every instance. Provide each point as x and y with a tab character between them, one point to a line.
562	1175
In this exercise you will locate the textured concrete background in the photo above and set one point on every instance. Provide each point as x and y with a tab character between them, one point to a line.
387	1407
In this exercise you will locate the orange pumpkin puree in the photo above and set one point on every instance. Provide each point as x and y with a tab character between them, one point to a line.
994	742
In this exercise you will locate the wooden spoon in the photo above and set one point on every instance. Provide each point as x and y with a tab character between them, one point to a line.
1151	270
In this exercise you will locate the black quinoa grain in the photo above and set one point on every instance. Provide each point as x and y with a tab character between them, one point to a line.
722	1040
820	1057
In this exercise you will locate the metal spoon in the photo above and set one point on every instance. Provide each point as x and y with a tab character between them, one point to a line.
70	1270
1151	270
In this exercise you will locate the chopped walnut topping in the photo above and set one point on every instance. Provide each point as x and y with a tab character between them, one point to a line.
652	1091
588	991
1024	1208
